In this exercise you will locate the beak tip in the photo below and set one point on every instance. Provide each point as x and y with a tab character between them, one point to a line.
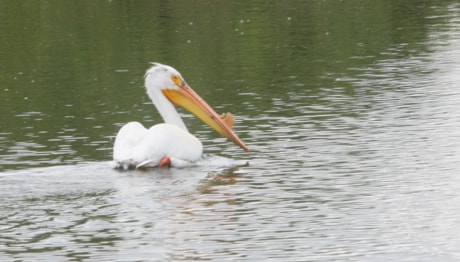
245	148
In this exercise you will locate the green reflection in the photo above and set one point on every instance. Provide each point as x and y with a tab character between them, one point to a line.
72	71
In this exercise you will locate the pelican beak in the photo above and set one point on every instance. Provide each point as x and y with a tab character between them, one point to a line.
188	99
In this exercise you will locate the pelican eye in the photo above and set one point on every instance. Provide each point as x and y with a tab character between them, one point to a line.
177	80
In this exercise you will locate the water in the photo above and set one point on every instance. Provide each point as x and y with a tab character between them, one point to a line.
350	111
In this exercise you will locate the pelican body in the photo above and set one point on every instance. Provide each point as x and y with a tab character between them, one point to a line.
168	143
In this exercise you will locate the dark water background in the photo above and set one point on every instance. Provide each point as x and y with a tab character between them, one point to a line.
351	110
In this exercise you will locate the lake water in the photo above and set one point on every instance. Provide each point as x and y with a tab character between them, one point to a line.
351	111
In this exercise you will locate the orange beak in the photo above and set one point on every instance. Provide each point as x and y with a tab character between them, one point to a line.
188	99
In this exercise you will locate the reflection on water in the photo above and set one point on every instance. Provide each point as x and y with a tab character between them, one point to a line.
101	208
353	129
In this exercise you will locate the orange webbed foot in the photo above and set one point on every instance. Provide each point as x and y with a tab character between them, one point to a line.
165	161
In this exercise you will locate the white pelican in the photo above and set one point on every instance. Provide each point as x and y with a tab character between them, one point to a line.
169	143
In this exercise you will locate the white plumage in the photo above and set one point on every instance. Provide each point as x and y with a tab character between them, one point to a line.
168	143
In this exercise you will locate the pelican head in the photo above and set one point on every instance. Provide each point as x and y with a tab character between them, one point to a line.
166	86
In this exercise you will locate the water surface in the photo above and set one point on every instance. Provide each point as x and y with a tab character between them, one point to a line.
350	111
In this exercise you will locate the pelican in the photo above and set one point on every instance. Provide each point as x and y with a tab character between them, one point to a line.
168	143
